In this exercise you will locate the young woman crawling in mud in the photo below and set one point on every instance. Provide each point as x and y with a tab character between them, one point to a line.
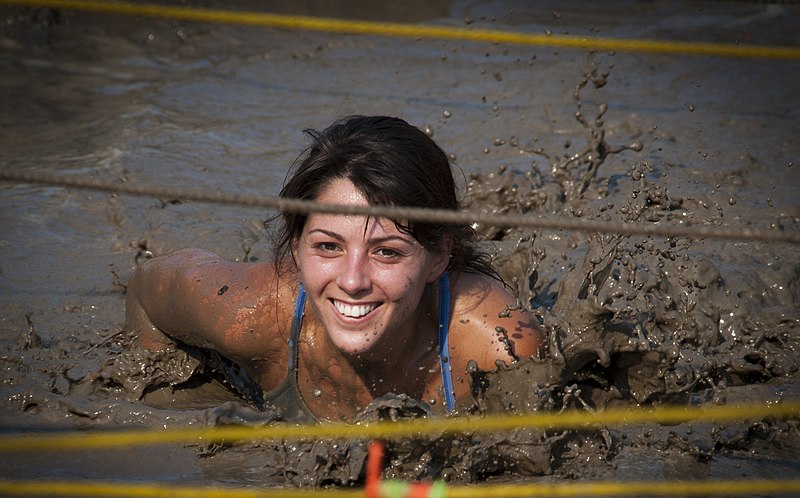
352	307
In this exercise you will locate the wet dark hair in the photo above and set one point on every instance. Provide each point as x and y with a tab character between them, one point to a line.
392	164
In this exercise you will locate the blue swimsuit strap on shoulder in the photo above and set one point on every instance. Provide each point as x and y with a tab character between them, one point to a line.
444	343
297	324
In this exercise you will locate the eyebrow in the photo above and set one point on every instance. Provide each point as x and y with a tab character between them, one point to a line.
378	240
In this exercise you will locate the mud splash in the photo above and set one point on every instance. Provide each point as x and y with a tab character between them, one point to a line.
639	320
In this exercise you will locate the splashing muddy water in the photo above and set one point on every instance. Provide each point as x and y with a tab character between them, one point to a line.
631	321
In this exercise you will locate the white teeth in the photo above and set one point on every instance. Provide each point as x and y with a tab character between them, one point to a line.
356	311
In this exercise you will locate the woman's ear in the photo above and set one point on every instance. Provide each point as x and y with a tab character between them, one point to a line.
441	259
295	244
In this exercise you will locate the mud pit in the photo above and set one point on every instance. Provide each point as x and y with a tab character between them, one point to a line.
630	320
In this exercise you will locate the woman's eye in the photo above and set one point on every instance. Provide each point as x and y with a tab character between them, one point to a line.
385	252
327	246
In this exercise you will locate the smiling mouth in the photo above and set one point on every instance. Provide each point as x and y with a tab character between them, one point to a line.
354	311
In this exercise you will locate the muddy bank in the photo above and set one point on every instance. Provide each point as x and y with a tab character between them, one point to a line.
630	320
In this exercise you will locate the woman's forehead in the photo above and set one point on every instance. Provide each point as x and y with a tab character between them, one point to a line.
342	191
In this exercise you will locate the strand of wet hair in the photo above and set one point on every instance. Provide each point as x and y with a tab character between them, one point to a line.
121	186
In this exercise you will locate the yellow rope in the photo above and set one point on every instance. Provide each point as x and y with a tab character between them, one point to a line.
638	488
409	428
73	488
589	488
418	30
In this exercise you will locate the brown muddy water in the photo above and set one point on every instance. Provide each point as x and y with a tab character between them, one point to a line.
564	133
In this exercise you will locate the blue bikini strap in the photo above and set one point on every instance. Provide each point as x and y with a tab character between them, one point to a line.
444	344
297	324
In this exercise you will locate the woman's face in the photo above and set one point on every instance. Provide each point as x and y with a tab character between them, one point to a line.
363	277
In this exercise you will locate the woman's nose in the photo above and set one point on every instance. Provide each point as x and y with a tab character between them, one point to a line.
354	276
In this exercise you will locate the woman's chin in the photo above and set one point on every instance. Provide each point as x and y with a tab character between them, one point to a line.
353	343
351	336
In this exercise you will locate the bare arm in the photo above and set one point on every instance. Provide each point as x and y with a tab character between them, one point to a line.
196	297
486	330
